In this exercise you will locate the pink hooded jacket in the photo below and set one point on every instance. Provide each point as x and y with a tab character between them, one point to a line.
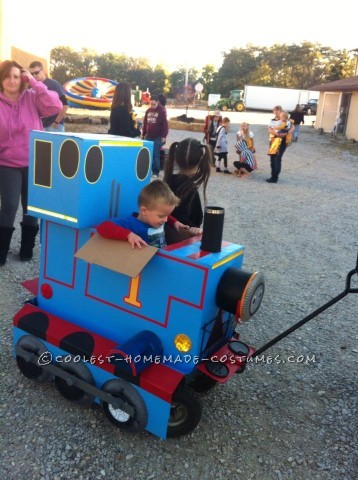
18	118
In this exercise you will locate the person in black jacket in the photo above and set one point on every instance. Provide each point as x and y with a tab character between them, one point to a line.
122	118
298	117
193	161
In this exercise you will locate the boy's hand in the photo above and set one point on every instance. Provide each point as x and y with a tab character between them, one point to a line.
178	225
195	231
136	240
192	230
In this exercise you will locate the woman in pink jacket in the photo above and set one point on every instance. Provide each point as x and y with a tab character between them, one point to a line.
21	109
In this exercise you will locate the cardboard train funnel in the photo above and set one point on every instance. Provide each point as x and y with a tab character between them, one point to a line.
213	229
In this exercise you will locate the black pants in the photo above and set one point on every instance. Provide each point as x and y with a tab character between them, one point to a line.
13	186
244	165
276	161
221	156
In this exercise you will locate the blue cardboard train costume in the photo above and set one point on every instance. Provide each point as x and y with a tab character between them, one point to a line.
142	342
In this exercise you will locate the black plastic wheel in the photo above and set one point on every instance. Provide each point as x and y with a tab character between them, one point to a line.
185	412
30	370
71	392
202	383
126	392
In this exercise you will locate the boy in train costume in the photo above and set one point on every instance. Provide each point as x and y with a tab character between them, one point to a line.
143	356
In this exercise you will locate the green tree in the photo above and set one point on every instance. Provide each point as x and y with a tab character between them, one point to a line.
288	66
65	64
237	69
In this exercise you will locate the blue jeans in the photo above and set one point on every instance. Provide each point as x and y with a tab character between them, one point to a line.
156	154
60	128
295	133
276	161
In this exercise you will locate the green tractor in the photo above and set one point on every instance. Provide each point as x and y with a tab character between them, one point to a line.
234	102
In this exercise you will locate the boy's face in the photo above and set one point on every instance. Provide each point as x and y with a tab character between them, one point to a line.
156	216
227	126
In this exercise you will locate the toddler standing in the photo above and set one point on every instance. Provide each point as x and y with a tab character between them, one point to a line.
221	150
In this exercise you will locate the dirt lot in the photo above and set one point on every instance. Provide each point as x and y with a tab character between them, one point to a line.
292	414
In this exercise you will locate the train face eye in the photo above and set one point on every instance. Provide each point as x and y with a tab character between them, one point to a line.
182	342
93	164
69	158
143	164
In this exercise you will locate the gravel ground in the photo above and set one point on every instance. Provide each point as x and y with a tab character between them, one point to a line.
292	414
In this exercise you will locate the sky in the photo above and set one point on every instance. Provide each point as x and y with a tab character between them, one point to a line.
175	34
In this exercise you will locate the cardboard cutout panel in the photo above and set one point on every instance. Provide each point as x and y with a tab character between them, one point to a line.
116	255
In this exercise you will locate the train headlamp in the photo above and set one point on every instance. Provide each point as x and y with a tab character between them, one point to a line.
182	342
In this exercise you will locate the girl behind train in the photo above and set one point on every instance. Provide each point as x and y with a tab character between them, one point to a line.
191	161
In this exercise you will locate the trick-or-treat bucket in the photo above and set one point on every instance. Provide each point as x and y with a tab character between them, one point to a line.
213	229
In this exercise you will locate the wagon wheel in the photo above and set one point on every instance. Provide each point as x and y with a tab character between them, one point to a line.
69	390
185	413
121	419
203	383
30	370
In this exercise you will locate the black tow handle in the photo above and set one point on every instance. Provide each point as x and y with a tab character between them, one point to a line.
348	289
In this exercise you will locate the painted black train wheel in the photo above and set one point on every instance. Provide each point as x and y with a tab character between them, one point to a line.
185	413
68	389
121	419
32	370
203	383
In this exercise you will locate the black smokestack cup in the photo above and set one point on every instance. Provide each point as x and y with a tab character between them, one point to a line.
213	229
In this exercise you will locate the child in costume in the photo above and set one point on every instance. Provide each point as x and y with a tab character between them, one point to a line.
283	125
191	161
156	202
220	149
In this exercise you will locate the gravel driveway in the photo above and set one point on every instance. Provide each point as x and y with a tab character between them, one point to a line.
292	414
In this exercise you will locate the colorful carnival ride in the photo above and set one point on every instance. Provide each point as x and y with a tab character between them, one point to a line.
90	92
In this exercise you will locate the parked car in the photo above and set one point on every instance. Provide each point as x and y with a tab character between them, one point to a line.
310	108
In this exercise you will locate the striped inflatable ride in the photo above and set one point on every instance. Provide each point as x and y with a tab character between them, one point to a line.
90	92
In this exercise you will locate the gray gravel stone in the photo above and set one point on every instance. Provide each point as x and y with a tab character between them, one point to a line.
280	419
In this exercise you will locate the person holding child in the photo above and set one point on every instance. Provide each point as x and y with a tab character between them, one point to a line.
156	203
221	149
283	125
192	161
277	143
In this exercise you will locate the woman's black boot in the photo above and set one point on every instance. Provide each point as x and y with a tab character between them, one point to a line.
5	239
28	236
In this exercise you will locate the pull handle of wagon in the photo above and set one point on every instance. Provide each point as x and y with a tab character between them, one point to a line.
348	289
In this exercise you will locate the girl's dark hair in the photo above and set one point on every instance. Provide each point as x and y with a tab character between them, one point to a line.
122	96
187	154
5	68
